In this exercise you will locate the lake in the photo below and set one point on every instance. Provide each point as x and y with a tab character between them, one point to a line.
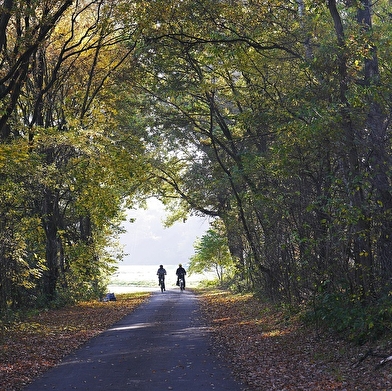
133	278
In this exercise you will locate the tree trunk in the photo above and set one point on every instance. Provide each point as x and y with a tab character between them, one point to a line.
52	247
380	161
361	251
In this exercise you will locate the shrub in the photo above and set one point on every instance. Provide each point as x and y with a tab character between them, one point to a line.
349	316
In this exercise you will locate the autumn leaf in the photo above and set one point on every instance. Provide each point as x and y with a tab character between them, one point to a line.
30	347
270	350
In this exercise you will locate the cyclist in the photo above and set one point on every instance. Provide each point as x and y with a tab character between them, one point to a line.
161	273
180	274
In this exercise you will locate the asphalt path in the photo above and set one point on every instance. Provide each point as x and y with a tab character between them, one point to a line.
162	345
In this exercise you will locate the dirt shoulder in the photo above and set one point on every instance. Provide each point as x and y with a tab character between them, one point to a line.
31	346
268	350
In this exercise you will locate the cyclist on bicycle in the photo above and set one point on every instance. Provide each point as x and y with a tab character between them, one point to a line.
161	273
180	274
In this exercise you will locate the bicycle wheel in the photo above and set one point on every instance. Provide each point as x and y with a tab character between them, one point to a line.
163	286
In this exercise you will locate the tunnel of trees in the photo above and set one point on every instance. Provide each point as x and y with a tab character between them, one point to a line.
272	117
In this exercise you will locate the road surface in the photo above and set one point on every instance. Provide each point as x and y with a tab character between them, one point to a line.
163	345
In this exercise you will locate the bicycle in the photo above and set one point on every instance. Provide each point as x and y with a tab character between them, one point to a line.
162	282
181	283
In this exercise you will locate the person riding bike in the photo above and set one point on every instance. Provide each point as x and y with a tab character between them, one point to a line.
161	273
180	274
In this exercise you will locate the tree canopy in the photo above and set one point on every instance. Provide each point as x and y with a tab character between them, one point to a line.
272	117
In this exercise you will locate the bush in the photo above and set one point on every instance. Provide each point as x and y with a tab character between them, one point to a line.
349	316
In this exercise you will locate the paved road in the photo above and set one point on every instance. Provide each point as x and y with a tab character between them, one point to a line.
163	345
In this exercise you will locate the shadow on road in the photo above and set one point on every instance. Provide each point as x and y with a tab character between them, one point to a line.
163	345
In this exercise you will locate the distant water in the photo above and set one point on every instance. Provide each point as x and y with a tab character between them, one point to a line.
133	278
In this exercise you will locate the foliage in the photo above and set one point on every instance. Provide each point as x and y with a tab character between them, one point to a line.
348	316
278	116
272	117
67	164
212	253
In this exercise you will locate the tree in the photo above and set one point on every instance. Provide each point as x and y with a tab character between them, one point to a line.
276	108
80	169
271	116
212	252
24	26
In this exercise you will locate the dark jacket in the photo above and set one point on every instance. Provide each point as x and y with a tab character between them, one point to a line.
161	271
180	271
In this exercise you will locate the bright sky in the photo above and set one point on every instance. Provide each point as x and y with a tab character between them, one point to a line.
147	242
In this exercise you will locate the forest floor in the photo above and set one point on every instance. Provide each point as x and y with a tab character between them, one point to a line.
273	351
268	350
